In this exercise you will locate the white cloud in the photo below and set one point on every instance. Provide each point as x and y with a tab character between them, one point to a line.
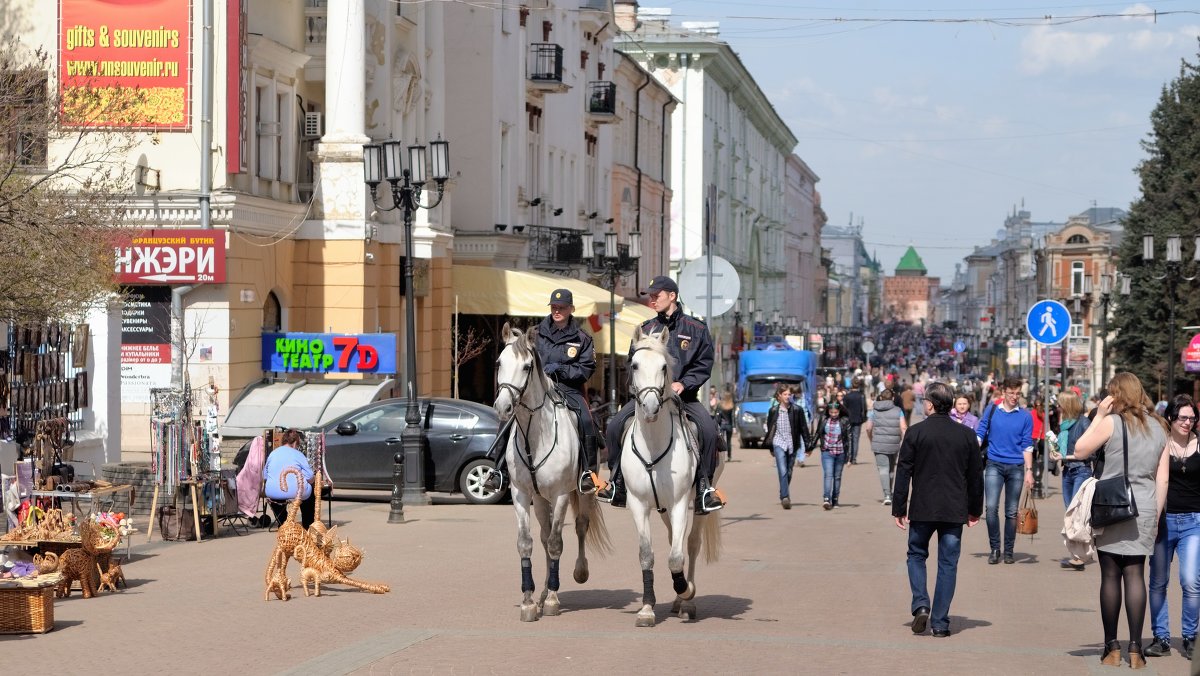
1139	8
1045	48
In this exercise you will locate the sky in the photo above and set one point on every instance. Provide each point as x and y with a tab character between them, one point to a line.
931	121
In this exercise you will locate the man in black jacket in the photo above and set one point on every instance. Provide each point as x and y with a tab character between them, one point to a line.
569	358
941	458
856	414
691	346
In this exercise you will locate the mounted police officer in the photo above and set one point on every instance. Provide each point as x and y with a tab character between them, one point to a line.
569	359
691	346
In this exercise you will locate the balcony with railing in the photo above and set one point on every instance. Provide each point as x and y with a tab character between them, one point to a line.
316	21
602	101
545	69
554	249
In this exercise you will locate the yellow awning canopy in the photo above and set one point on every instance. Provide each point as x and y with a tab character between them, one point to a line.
522	293
628	318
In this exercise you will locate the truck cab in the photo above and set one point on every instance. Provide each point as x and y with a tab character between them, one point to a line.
759	372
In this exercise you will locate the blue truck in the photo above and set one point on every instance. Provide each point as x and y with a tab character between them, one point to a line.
759	371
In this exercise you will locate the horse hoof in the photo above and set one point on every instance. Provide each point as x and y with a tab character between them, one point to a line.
687	610
645	618
675	606
689	593
529	613
581	575
551	610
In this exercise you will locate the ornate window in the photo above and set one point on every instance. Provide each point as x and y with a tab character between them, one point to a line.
1077	239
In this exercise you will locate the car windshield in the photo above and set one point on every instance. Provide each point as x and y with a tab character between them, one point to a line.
372	418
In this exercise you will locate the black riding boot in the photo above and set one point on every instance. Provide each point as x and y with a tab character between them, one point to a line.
706	498
589	478
614	491
498	477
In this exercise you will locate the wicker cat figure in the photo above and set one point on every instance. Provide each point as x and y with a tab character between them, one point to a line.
289	536
112	578
78	564
46	563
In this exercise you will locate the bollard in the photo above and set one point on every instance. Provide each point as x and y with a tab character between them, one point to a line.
396	515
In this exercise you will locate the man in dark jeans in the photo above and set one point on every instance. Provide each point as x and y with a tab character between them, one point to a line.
856	415
1008	430
941	458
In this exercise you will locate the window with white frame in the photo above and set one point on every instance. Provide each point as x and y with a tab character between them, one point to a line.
273	119
1076	278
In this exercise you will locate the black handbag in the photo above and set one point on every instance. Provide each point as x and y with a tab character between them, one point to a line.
1112	499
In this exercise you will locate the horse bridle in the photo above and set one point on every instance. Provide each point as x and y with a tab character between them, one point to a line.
659	390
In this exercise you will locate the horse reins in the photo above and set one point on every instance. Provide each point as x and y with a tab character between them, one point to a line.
524	452
677	416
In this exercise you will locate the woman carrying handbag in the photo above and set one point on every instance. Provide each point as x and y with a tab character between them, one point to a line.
1134	439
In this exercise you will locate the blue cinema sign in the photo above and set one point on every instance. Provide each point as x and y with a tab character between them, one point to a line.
329	353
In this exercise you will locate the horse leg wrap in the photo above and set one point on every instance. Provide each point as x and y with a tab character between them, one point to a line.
648	587
552	576
679	582
526	575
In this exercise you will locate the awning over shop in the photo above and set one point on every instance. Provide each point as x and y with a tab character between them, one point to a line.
301	404
496	291
628	318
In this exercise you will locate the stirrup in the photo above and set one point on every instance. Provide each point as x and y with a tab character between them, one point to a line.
589	482
494	480
703	504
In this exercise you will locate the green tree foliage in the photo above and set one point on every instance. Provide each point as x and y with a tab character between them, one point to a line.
1169	205
61	190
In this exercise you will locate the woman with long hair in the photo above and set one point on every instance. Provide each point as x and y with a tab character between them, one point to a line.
1130	433
1075	471
1178	530
785	427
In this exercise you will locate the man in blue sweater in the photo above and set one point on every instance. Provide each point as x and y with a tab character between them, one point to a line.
1007	429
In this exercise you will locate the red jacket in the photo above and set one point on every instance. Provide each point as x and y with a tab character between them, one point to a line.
1038	432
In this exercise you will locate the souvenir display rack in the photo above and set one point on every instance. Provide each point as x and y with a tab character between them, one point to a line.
42	377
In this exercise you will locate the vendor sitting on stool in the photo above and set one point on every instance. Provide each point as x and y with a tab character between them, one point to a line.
281	459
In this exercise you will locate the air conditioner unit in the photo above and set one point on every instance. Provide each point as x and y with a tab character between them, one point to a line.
314	125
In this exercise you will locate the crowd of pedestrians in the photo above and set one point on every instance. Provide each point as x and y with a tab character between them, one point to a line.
951	451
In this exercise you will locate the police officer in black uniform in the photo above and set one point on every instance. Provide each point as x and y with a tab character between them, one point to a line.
691	345
569	358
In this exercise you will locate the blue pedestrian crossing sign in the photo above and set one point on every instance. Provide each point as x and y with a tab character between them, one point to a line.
960	347
1048	322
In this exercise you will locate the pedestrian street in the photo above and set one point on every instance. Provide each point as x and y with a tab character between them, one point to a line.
800	591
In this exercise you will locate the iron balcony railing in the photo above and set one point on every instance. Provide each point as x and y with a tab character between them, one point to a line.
602	98
545	62
554	248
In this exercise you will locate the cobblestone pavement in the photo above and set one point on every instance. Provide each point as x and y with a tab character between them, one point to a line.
799	591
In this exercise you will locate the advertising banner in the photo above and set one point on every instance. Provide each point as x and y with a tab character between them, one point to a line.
137	48
1018	352
172	257
145	342
329	353
1191	355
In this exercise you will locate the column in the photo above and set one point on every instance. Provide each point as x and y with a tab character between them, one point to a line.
338	179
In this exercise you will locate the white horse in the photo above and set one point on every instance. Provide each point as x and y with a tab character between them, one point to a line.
659	461
543	464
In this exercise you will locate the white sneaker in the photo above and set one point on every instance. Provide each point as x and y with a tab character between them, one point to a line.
887	501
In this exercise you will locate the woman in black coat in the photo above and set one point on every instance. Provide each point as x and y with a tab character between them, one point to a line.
787	428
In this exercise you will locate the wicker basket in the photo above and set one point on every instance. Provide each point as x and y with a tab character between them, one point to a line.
27	606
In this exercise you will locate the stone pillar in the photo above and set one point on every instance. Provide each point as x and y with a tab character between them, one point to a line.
341	193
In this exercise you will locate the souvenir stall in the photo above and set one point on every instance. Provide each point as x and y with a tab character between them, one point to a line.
186	464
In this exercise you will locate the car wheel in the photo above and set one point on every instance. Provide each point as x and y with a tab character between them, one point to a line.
470	483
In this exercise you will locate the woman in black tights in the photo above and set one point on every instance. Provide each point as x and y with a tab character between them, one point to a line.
1130	433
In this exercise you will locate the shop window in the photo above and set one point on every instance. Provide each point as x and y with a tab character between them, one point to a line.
272	314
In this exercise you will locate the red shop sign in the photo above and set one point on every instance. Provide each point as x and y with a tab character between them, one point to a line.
172	257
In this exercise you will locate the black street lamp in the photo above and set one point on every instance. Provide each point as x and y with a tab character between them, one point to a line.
607	261
385	161
1172	273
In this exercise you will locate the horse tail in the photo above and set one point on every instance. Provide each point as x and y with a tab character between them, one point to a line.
597	534
710	531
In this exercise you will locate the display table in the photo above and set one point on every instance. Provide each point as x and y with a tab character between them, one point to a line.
97	497
27	605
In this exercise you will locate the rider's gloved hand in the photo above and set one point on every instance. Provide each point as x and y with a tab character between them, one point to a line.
551	369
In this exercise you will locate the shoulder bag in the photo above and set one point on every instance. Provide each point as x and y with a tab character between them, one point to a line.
1112	501
1027	515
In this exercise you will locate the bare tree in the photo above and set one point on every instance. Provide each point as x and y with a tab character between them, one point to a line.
63	176
466	347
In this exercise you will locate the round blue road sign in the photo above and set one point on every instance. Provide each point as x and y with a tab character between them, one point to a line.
960	347
1048	322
